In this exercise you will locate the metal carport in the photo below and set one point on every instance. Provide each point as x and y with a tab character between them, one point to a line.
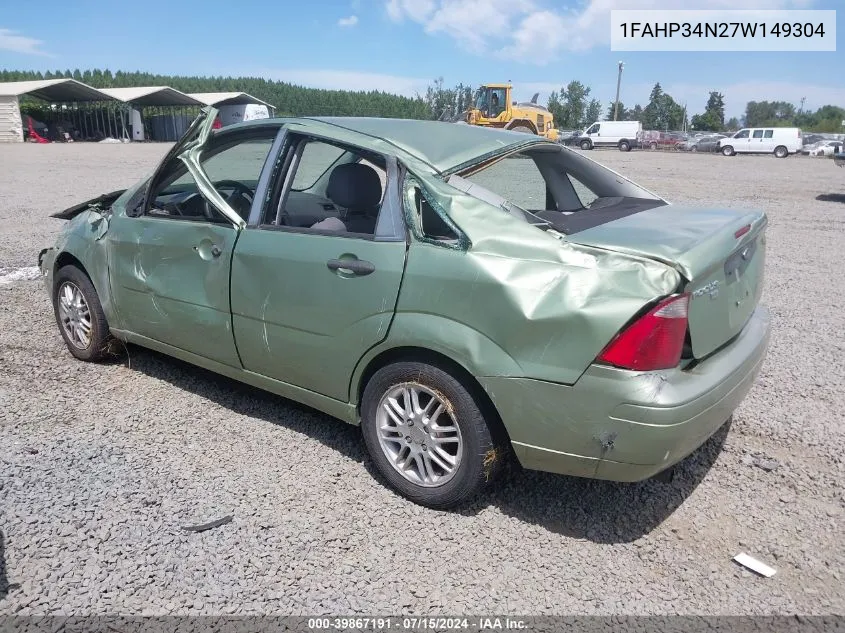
161	125
53	91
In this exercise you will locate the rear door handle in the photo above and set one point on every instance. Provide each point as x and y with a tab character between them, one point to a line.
355	266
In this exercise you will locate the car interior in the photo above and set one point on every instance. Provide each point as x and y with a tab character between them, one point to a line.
327	188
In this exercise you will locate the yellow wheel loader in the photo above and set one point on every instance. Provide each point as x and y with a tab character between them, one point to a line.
494	108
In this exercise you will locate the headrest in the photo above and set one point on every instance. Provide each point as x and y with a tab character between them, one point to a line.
354	186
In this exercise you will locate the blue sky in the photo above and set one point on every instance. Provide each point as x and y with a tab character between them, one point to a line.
401	45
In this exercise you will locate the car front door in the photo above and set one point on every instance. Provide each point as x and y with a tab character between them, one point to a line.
740	141
171	256
316	273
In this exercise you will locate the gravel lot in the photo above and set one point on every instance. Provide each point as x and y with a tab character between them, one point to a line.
101	465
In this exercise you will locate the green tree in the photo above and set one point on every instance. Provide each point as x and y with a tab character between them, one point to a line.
622	114
574	105
593	112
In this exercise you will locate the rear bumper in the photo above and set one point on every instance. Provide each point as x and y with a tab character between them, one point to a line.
627	426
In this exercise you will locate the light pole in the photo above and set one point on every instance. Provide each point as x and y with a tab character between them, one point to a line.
618	83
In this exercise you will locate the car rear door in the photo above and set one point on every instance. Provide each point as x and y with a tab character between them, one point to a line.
308	302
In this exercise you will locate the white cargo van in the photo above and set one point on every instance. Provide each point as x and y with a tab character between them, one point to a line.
621	134
780	141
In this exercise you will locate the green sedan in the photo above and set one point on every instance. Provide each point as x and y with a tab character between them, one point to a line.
467	296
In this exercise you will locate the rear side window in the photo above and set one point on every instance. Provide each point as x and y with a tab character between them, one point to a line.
432	225
758	133
769	134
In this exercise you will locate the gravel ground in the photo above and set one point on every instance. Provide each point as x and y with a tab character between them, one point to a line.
101	465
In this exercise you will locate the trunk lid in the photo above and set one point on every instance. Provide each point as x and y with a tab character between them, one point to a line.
719	252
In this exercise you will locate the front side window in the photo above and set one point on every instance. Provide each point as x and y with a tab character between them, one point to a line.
742	134
232	165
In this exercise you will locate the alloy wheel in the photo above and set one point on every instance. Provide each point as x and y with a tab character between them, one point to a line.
75	315
418	434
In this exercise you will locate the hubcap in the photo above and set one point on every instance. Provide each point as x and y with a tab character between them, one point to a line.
74	315
418	435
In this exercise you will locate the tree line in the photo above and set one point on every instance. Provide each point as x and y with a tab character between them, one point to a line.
572	106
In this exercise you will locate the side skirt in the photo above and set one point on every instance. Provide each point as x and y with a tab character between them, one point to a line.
341	410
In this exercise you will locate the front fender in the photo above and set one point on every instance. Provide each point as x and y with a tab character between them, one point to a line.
83	239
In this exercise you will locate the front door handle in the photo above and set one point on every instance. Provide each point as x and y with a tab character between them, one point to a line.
354	266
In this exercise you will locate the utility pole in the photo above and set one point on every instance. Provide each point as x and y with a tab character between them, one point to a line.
801	109
618	83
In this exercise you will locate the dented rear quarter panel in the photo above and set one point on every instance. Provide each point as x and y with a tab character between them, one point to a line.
514	300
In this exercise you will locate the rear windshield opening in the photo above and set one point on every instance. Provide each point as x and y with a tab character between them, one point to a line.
553	186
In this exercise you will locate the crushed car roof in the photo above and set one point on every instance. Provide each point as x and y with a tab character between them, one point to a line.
443	146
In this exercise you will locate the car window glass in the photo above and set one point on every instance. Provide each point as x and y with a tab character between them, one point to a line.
317	158
431	224
586	195
236	167
758	134
769	134
348	200
742	134
515	179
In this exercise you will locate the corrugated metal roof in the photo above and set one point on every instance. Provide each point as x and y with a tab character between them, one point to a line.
54	90
227	98
153	96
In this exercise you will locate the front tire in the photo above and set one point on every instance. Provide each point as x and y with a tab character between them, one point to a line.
652	146
524	129
80	316
781	152
427	435
727	150
585	145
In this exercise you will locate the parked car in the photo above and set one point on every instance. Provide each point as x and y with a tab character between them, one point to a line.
406	276
663	140
839	159
701	143
780	141
826	148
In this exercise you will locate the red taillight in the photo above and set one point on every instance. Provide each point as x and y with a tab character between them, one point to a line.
738	234
654	341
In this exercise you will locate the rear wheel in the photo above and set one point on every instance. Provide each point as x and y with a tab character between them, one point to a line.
727	150
652	146
585	145
426	435
80	316
781	152
624	146
694	148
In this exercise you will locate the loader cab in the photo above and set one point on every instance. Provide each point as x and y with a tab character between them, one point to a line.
493	99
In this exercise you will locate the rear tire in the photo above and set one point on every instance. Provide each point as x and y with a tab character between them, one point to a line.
652	146
694	148
624	146
781	152
80	316
427	435
727	150
585	145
